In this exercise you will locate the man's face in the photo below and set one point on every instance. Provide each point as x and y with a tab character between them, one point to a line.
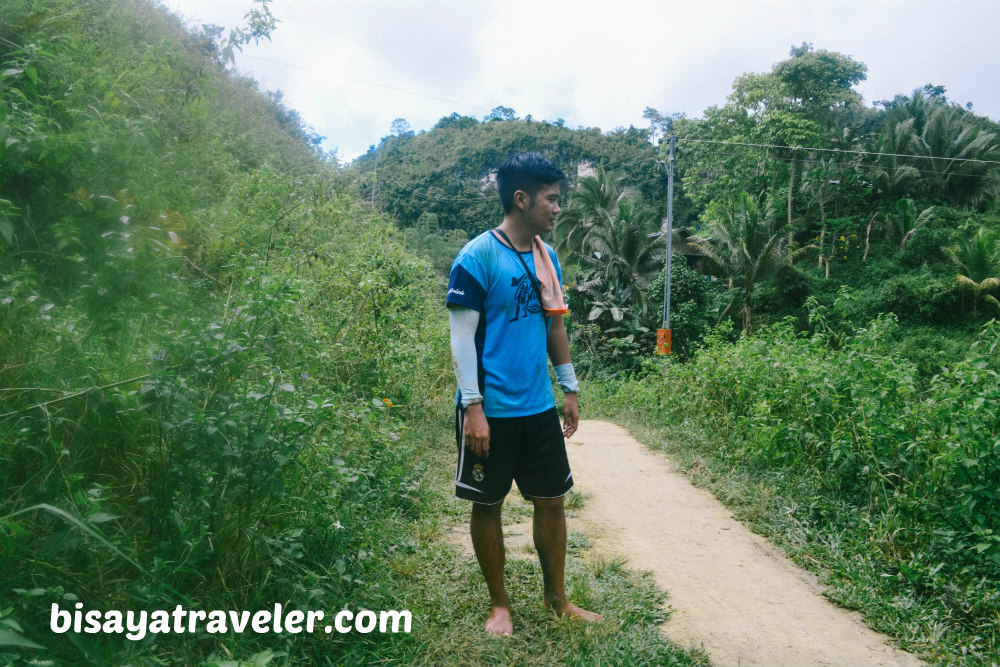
543	209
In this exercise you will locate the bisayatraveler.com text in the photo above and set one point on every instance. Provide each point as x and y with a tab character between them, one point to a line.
137	624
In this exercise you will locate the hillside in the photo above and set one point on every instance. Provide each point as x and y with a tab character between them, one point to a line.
445	171
224	380
211	352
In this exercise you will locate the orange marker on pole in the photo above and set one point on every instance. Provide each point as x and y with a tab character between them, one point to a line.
663	341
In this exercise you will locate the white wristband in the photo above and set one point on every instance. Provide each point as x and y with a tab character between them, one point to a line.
566	378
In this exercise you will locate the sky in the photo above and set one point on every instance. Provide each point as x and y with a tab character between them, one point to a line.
350	67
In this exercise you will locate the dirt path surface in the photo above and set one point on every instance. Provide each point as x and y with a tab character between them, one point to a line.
731	592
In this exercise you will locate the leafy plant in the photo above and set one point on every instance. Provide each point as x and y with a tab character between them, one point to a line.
745	245
979	257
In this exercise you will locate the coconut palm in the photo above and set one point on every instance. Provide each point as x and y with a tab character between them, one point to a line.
592	205
906	222
979	259
747	246
955	152
619	260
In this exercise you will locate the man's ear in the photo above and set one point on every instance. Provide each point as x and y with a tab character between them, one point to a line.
522	200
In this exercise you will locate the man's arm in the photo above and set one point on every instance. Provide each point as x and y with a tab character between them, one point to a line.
463	323
558	347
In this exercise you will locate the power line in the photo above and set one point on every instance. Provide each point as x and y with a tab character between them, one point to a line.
838	150
789	160
305	39
388	172
371	83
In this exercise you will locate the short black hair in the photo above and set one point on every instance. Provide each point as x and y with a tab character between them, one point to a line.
529	172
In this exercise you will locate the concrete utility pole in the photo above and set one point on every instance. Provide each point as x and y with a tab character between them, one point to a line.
663	335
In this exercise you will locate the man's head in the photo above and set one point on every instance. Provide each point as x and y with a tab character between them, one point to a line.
529	173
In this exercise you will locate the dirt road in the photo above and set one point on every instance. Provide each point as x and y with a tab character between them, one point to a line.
731	592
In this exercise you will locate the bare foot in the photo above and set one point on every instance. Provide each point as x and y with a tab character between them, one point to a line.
500	624
570	610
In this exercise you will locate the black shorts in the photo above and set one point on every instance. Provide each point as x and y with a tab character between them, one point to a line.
529	450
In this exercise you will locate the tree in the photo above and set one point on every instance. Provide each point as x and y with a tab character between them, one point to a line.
953	150
660	125
804	102
816	185
746	245
820	83
592	205
621	258
500	113
905	223
401	128
979	259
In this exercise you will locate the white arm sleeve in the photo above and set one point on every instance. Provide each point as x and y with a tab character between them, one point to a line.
464	322
566	378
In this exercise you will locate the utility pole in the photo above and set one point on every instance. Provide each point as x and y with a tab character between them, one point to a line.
663	334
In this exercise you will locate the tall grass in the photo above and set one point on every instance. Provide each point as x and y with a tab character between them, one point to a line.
212	353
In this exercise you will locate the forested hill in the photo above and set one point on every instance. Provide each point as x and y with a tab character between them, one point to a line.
445	171
792	188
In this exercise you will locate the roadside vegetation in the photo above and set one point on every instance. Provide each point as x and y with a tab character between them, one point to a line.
827	443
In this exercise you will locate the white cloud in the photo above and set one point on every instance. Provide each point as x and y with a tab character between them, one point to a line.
591	63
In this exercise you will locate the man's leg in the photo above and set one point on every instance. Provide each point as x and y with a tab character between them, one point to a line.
487	540
549	529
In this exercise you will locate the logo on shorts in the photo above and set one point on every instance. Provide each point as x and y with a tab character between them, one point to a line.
478	473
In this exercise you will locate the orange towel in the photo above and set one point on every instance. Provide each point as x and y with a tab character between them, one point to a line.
548	280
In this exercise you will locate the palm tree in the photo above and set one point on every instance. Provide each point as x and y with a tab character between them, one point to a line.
747	246
907	221
979	259
955	152
592	205
621	259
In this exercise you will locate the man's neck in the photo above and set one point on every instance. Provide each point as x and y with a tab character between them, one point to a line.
519	236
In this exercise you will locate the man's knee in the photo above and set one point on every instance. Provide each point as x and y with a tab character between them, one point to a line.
548	504
483	511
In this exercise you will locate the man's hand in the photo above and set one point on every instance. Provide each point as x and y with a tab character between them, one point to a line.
571	414
477	431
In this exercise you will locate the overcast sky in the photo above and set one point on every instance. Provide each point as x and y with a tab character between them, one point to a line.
350	67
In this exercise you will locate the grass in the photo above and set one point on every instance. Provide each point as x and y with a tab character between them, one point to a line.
448	597
782	507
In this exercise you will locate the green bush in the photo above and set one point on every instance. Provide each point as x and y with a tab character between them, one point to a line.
839	419
923	297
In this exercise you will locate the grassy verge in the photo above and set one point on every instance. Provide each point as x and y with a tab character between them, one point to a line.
447	595
874	552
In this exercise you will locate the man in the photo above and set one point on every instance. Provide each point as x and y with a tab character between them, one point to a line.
505	309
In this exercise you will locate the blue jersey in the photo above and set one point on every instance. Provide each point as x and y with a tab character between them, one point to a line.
511	340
